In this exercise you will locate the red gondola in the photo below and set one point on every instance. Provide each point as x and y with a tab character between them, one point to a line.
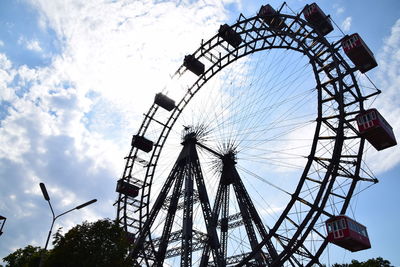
358	52
271	17
375	129
347	233
317	18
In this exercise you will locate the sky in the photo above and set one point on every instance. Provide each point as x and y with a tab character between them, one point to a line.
76	76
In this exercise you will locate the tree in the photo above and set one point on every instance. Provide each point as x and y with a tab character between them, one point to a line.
23	257
102	243
378	262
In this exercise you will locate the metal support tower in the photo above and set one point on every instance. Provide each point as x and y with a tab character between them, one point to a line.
185	173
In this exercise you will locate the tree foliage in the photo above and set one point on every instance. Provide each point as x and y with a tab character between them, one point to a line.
102	243
23	257
378	262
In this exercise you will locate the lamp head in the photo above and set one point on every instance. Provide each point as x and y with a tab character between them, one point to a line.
44	191
86	204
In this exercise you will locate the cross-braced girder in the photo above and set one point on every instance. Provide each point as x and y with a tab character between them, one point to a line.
185	173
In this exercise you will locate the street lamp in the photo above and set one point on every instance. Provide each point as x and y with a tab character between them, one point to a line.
47	198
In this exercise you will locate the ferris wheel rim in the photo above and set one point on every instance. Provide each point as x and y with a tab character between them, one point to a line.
152	111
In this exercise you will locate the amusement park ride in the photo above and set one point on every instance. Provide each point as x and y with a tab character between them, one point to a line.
185	217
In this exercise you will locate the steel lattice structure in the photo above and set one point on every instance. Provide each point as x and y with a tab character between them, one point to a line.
296	237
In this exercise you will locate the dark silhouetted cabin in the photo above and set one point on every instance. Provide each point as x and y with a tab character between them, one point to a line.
194	65
375	129
127	189
164	101
347	233
229	35
142	143
130	237
317	18
358	52
268	14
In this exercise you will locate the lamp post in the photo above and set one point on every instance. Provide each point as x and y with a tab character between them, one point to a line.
47	198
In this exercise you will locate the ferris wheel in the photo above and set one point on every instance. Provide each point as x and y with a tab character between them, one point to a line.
251	154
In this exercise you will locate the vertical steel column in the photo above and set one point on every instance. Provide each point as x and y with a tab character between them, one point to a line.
224	222
186	258
215	212
253	213
211	225
230	175
160	256
178	168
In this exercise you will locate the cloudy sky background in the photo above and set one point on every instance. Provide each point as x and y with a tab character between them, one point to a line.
75	77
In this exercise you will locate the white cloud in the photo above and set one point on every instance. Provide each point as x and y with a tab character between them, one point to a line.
346	24
1	43
7	74
69	123
388	80
32	45
340	10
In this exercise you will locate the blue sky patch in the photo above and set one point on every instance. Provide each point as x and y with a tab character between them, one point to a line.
24	42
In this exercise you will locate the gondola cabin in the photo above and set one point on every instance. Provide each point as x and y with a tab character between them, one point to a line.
130	237
373	127
193	64
229	35
268	14
347	233
164	101
142	143
359	53
127	189
317	18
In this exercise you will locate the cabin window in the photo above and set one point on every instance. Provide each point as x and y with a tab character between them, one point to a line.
350	43
343	224
366	120
360	229
352	226
363	231
311	9
329	227
373	115
337	225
